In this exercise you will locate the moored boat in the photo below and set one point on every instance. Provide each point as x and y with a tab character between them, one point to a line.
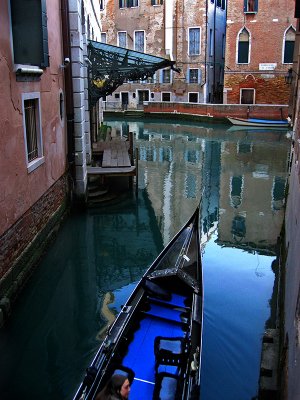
156	339
255	122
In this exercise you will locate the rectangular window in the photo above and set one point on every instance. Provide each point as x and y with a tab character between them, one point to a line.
166	76
156	2
101	5
194	75
151	79
139	41
194	41
193	97
211	42
243	52
32	130
223	6
250	6
288	51
103	37
122	3
29	32
166	96
132	3
122	39
219	2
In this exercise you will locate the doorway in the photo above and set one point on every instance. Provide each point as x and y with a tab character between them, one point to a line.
247	96
124	100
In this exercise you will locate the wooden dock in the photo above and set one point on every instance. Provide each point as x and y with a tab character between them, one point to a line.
117	158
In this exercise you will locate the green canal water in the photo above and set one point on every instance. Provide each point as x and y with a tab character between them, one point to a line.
100	254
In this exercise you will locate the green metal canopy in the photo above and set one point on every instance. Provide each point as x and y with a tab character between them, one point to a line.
110	66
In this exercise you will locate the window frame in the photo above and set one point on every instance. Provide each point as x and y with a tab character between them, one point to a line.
284	45
193	102
198	28
40	159
118	39
250	89
238	41
198	76
166	101
144	40
166	72
246	7
103	34
42	48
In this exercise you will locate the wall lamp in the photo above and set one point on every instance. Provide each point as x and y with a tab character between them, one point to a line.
289	76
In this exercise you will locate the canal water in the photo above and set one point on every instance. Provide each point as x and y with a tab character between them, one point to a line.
99	255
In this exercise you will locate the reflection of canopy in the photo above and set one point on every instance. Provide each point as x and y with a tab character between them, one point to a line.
112	65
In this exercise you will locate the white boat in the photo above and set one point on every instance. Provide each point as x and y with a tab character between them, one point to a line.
266	123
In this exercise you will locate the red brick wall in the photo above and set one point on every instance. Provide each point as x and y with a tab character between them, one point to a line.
16	240
267	28
220	110
267	91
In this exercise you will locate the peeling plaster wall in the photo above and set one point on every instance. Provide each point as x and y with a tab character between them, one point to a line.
19	189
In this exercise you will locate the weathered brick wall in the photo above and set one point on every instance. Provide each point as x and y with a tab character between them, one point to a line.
22	245
220	111
265	71
267	90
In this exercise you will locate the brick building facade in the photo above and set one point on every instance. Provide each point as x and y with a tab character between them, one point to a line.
260	39
190	32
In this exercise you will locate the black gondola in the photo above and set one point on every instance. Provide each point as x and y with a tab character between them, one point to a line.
156	339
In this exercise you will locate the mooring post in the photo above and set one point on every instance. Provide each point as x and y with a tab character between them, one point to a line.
130	137
136	170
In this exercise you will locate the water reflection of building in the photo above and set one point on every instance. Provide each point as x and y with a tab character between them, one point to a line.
240	182
252	194
126	241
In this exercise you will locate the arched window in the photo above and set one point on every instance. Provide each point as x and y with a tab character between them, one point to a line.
243	47
289	43
236	191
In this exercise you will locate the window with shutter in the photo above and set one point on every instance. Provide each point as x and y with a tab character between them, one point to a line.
139	41
29	32
122	39
194	41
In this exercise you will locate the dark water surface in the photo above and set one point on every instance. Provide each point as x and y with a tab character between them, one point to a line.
99	254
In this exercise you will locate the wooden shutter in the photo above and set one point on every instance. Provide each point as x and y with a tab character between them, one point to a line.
45	55
297	9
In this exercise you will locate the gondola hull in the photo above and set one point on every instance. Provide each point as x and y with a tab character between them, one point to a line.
156	339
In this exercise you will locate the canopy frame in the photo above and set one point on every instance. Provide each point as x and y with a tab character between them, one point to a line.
110	66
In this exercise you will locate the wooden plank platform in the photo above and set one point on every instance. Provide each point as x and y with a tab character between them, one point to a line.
101	146
124	171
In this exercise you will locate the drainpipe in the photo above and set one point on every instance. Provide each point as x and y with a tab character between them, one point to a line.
205	56
68	86
214	75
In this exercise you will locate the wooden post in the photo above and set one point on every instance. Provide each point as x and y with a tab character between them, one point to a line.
130	137
136	170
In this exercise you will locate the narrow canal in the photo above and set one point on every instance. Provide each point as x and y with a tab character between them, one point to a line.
100	253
